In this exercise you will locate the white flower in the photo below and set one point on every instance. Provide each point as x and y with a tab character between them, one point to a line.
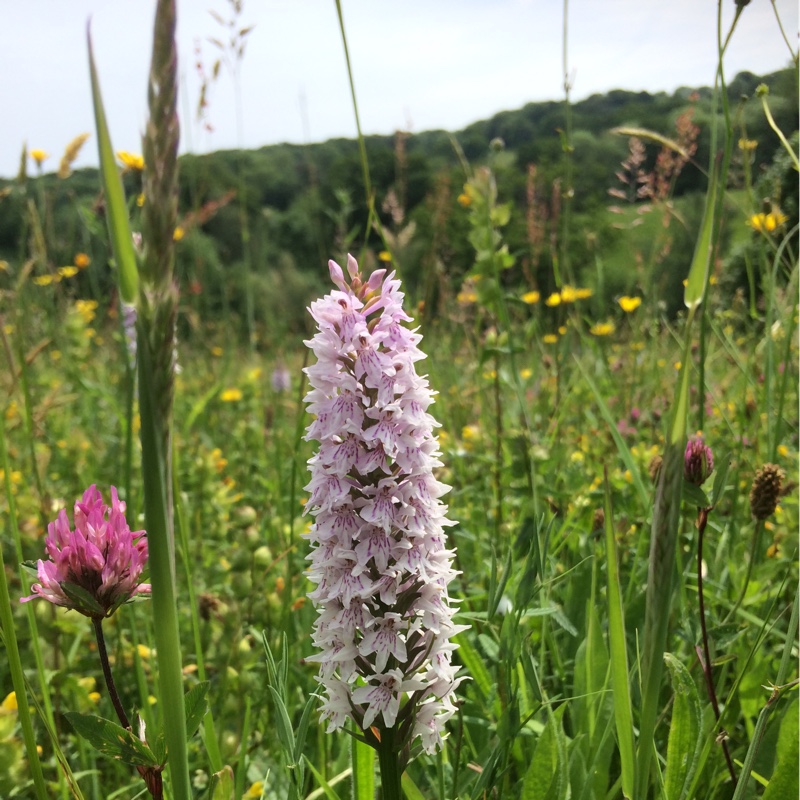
379	559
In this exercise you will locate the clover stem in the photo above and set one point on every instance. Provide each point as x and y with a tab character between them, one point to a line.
112	688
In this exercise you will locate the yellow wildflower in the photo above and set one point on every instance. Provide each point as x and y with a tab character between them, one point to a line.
130	161
255	791
530	297
767	223
464	199
43	280
86	309
67	272
628	304
8	329
178	234
602	329
747	144
467	297
525	373
783	450
216	351
583	294
39	156
81	260
568	294
3	265
94	697
10	702
384	256
562	329
550	338
231	395
143	650
553	300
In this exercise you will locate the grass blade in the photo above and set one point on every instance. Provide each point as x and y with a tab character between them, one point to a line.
116	210
623	714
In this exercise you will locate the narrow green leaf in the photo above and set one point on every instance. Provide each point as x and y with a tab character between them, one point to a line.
119	229
644	133
410	789
363	759
324	785
82	598
302	729
545	776
284	725
195	703
784	780
623	713
625	453
475	666
701	261
112	739
685	742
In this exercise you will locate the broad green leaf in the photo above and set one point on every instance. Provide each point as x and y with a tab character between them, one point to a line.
195	704
116	209
701	261
695	496
784	781
623	713
544	778
222	784
685	743
363	758
112	739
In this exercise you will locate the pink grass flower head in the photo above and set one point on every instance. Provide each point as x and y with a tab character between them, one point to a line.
379	558
95	568
698	461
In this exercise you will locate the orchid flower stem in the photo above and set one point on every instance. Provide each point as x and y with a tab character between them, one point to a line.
109	678
391	773
702	520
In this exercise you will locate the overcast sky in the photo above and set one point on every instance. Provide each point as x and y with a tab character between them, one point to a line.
418	64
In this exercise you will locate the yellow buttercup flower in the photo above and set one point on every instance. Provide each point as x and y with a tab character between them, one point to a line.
602	329
216	351
67	272
131	161
86	309
231	395
178	234
767	223
628	304
562	329
81	260
464	199
43	280
550	338
385	256
525	373
530	297
583	294
10	702
39	156
568	294
553	300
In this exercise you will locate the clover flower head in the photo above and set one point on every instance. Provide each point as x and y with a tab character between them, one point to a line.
698	461
96	567
379	559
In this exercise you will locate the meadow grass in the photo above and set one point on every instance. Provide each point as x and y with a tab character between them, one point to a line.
563	426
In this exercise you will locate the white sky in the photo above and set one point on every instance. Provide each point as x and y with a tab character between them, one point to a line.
418	64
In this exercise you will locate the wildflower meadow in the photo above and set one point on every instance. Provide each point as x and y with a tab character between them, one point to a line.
432	467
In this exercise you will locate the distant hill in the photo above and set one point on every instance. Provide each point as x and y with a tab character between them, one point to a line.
304	203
